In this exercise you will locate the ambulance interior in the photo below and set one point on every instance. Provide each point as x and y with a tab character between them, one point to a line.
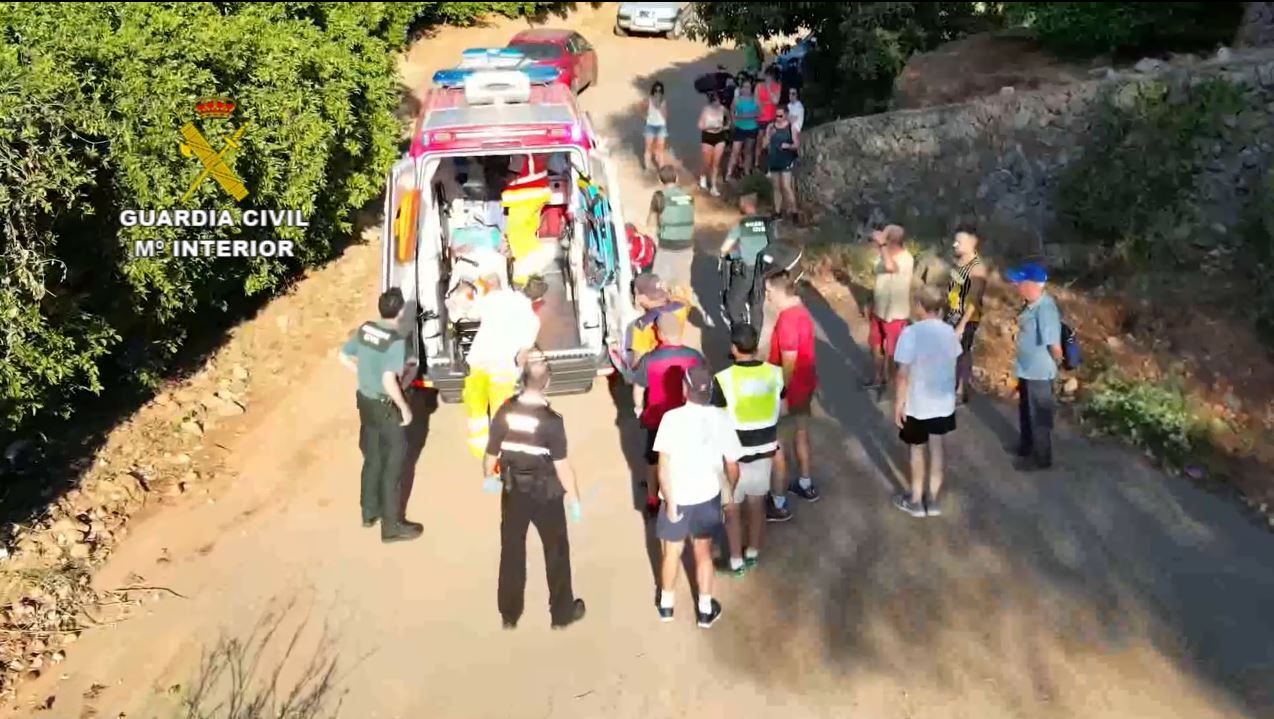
507	215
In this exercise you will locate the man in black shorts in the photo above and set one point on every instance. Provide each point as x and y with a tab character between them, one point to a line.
699	452
924	405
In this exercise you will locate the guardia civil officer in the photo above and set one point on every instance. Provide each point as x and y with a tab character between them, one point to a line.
377	354
528	441
744	296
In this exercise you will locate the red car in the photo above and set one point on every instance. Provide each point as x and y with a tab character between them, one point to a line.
565	50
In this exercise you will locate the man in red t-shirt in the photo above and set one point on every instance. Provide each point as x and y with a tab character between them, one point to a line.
792	348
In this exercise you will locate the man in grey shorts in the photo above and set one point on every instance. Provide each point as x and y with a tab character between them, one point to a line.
699	453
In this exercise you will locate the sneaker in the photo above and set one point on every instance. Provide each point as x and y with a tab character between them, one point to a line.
750	562
404	532
775	513
577	614
809	495
726	570
665	614
368	523
652	506
714	191
707	620
703	183
932	508
904	503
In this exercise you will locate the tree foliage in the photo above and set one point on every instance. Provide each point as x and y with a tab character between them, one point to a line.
862	46
91	99
1092	28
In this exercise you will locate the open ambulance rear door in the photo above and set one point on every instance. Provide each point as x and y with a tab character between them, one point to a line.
617	300
405	237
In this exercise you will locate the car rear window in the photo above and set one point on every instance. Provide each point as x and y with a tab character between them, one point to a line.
537	51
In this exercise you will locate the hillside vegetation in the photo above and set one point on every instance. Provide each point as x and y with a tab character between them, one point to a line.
92	96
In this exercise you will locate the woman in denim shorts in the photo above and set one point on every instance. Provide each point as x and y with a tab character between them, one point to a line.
656	131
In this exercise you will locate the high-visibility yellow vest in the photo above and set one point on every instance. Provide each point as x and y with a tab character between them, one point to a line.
753	395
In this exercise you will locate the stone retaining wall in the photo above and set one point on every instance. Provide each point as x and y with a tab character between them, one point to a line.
998	160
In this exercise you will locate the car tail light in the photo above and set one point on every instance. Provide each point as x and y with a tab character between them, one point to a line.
577	133
557	132
440	137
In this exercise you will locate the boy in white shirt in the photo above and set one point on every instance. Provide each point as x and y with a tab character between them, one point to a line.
698	451
925	398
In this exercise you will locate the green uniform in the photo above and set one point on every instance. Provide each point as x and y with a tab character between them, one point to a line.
743	297
676	219
382	438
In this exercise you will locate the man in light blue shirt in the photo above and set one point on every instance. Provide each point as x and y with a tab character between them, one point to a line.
1039	351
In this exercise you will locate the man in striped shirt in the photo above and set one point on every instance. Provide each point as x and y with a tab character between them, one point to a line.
528	444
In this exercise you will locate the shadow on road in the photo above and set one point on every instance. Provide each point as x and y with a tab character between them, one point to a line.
632	438
423	404
1044	587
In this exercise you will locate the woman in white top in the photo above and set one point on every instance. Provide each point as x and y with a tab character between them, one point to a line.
656	131
714	133
795	109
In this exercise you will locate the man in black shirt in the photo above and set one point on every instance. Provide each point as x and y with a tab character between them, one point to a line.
528	442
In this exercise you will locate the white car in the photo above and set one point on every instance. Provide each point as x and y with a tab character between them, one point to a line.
656	18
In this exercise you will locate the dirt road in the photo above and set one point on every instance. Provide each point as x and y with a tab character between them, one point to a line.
1102	589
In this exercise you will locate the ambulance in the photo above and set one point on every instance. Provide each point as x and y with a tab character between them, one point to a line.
506	175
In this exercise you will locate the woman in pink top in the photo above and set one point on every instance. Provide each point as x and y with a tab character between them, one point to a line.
768	96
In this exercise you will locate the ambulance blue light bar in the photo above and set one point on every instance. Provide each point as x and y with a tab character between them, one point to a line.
455	77
492	57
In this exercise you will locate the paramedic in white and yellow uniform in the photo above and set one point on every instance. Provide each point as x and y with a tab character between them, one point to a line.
508	330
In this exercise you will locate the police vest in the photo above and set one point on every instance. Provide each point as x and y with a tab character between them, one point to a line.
754	236
753	396
677	220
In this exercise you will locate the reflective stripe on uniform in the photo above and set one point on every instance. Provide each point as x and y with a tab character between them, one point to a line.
524	449
521	422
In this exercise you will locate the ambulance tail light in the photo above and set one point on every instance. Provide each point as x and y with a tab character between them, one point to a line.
577	132
440	137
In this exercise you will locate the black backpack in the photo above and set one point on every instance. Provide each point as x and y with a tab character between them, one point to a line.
1071	357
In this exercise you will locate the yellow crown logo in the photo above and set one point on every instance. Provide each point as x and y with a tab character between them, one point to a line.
215	107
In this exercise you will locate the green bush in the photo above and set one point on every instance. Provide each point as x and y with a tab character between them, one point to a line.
1131	186
1156	417
862	46
1092	28
91	99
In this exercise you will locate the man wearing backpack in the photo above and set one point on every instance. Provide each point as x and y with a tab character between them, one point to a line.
1039	352
672	211
744	244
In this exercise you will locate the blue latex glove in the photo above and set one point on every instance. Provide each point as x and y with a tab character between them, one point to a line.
492	484
573	510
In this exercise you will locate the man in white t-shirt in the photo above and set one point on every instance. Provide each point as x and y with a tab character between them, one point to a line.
890	305
699	453
508	330
925	398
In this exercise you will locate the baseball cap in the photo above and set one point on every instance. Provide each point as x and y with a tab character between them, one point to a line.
1029	272
698	384
649	285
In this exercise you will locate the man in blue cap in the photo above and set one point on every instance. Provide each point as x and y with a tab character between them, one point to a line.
1039	351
